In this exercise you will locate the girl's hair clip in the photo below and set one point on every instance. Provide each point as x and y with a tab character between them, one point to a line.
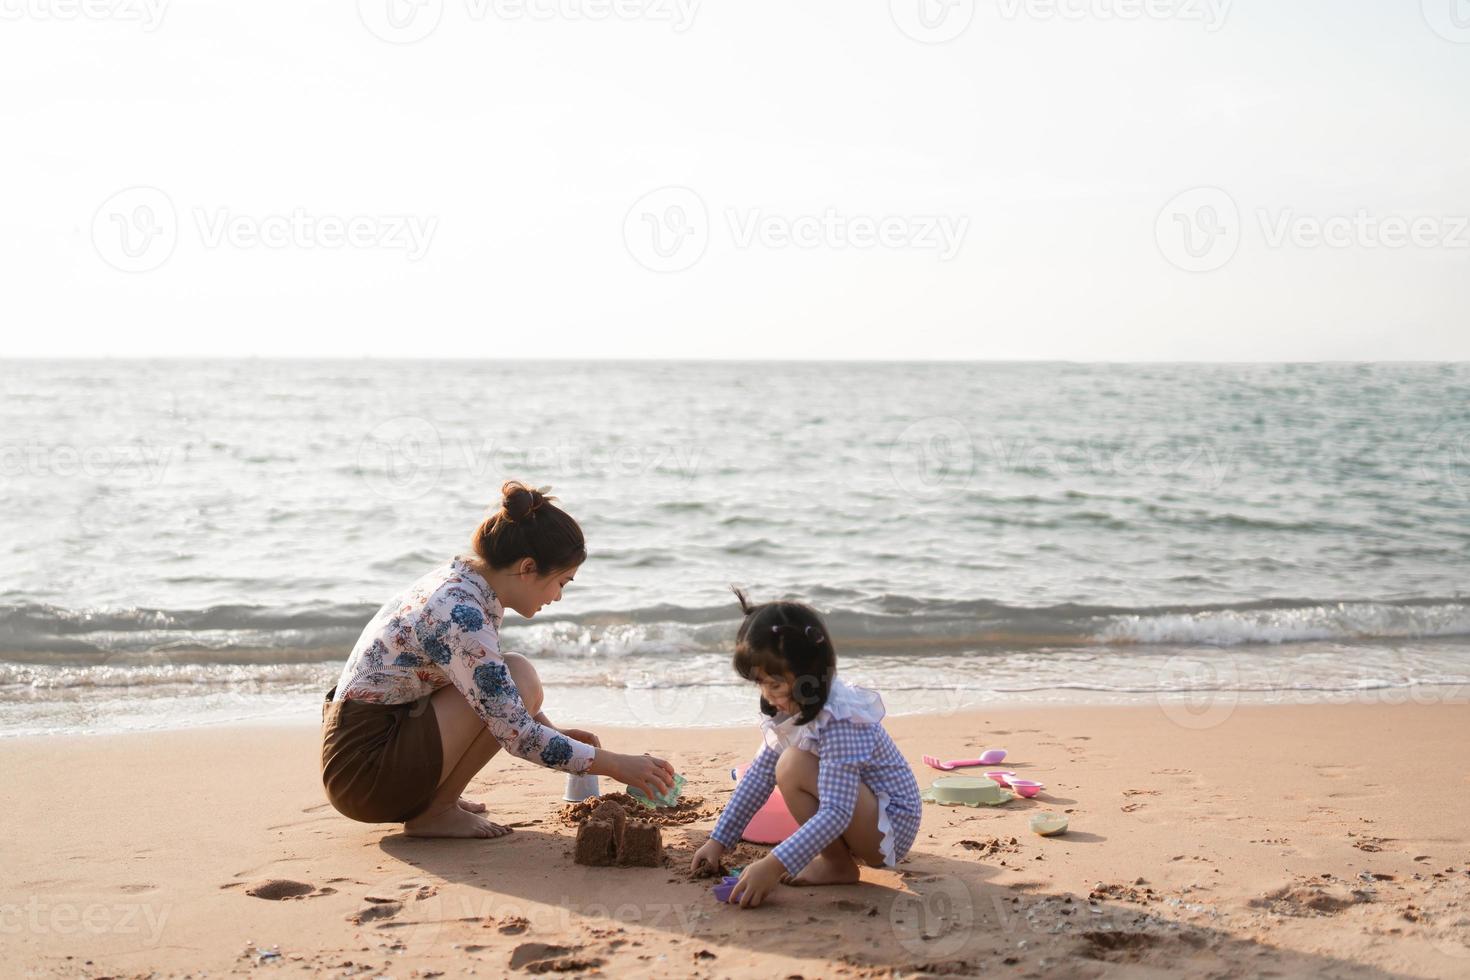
810	632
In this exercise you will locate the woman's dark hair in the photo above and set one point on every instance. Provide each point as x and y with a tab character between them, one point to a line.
778	638
529	525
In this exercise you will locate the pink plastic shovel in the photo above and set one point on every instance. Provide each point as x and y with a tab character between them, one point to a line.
992	757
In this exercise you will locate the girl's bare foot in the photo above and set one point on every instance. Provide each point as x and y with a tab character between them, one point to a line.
474	806
824	870
452	821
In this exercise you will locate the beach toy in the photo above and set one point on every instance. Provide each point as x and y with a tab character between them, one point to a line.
1049	824
724	886
1000	776
667	798
579	787
990	757
1027	788
773	822
966	791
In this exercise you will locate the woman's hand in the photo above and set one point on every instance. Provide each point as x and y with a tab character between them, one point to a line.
643	772
756	880
582	736
707	858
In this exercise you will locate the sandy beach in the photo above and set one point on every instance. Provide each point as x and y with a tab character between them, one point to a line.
1318	839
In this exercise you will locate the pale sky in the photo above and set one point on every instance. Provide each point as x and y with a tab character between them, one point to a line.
1078	179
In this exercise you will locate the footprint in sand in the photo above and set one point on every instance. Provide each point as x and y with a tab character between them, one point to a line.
545	958
377	909
513	925
279	889
1330	770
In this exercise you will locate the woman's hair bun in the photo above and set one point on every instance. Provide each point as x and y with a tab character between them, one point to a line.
519	501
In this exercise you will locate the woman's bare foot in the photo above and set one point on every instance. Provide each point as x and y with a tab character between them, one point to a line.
824	870
474	806
452	821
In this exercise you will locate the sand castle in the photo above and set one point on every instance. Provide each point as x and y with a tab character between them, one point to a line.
608	837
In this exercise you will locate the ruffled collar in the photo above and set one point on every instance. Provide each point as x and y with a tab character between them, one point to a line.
461	567
844	703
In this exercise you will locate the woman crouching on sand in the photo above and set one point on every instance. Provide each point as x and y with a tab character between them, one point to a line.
427	698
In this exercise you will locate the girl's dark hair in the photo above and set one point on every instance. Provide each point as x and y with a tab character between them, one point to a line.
779	638
529	525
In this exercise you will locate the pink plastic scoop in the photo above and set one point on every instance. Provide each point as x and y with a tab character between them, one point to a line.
991	757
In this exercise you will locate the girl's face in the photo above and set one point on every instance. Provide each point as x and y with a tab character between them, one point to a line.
532	591
777	690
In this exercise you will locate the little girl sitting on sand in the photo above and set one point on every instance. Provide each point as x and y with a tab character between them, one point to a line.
840	773
427	698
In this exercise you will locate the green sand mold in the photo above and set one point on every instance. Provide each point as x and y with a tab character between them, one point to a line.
966	791
668	798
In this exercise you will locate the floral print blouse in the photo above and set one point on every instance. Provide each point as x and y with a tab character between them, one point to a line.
445	629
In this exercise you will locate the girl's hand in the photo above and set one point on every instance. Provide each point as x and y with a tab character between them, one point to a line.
644	772
582	736
707	858
755	881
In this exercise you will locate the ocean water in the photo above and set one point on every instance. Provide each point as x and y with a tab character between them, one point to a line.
189	543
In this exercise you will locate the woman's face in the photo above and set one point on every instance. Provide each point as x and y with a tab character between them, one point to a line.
534	591
777	690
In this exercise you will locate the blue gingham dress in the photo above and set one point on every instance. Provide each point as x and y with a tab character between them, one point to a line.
852	748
